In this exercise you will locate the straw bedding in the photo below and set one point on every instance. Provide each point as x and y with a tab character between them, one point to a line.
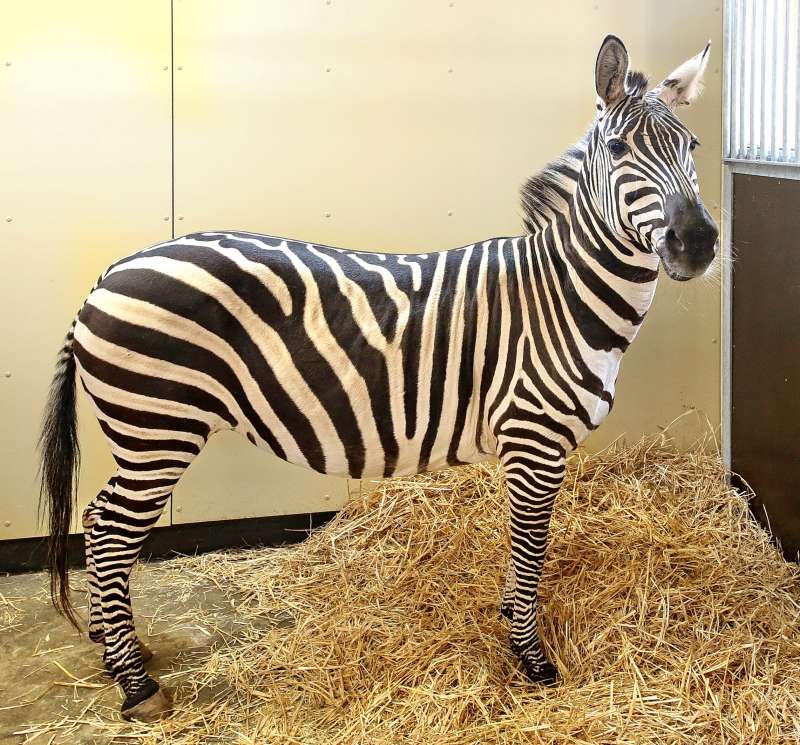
668	613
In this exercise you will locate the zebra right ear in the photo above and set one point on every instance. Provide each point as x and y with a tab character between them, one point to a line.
610	71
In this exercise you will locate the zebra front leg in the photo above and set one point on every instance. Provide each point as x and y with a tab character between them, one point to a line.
507	604
533	480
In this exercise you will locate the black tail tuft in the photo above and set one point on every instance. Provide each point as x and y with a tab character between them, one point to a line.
60	454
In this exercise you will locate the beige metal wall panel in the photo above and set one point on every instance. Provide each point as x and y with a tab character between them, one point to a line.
673	368
85	154
374	125
409	127
232	479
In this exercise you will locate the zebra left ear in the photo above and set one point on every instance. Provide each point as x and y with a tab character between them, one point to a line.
610	71
684	84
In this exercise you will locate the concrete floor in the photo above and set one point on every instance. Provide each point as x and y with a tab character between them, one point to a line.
48	673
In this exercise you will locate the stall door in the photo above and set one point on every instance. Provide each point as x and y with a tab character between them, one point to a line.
765	417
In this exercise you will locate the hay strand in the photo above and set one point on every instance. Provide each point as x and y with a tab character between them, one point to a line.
670	616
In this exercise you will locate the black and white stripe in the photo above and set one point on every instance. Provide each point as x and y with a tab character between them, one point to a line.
365	364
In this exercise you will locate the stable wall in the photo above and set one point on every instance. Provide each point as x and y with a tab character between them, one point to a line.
372	125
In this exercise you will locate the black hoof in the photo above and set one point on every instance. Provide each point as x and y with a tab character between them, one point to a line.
146	691
157	705
544	674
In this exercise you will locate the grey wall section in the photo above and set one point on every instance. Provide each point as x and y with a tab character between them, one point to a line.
374	125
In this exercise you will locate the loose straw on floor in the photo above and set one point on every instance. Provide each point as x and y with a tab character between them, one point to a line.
670	616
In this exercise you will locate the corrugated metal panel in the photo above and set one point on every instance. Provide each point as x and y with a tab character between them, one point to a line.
763	105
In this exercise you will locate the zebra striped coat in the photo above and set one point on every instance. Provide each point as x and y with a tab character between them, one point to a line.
373	365
350	363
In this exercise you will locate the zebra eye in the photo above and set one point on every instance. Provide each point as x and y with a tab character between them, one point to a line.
617	147
694	143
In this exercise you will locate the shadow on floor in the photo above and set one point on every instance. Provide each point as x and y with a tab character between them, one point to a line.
50	674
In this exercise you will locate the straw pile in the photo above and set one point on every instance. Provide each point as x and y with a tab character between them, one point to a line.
668	613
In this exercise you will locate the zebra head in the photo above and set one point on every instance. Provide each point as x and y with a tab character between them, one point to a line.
641	166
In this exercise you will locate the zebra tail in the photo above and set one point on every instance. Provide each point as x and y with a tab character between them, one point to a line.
60	461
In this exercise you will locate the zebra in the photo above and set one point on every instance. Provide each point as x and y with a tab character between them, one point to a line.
363	365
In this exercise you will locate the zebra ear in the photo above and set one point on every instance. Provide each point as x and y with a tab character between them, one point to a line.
610	71
684	85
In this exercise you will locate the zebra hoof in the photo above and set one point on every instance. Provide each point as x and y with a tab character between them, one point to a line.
544	674
156	706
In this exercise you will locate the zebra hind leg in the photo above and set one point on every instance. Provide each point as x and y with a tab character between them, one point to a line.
533	480
95	613
90	516
115	539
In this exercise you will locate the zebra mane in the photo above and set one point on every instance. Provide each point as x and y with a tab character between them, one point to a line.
549	190
636	83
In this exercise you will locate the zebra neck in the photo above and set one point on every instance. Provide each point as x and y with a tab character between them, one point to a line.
606	285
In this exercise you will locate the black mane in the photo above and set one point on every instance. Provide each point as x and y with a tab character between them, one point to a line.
636	83
549	190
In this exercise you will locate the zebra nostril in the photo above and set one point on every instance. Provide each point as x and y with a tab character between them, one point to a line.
673	240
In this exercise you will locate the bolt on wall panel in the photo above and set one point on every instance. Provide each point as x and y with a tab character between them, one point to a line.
85	152
409	127
376	126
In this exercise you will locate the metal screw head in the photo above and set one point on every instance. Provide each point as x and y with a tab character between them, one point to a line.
327	214
7	374
180	67
449	69
7	523
165	67
178	509
9	219
180	217
8	64
166	218
328	69
449	213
